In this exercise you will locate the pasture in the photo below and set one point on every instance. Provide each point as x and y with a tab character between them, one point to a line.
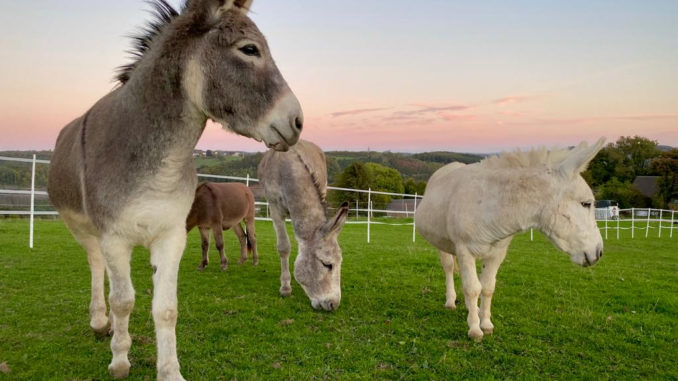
554	320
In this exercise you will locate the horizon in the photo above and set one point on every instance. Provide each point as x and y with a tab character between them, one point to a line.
441	76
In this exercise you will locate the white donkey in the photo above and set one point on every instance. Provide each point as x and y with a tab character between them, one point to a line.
474	211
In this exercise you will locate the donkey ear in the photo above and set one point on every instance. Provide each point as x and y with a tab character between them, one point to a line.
334	225
580	157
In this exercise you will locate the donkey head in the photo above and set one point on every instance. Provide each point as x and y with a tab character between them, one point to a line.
568	218
232	79
318	264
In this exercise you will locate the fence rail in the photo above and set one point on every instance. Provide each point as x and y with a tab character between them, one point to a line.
638	218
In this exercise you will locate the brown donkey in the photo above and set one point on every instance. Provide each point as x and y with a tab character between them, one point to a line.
221	206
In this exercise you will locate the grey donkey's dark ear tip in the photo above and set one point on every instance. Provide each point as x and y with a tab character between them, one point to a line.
344	205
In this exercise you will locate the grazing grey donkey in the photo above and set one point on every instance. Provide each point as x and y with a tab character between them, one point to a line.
295	183
122	174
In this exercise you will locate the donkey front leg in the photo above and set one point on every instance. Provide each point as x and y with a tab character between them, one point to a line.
472	288
166	252
447	261
117	253
488	279
284	249
205	243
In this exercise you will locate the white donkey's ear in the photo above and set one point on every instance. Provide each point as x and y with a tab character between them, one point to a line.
580	157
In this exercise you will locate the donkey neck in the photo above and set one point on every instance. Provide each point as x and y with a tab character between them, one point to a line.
307	214
522	195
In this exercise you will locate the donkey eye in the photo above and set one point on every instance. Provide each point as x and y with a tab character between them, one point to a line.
586	204
250	50
328	266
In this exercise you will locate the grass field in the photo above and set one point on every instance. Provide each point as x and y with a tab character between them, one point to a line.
554	320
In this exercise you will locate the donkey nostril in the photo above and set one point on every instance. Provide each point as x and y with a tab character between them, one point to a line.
298	123
601	254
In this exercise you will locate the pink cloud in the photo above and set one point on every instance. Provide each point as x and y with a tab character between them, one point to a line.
356	111
515	99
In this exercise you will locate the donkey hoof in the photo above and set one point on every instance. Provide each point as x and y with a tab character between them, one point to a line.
475	334
451	305
285	291
487	328
242	260
224	266
119	369
100	328
201	267
255	261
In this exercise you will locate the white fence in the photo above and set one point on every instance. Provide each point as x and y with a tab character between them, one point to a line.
367	209
643	219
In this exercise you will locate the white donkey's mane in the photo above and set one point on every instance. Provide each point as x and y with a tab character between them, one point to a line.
536	158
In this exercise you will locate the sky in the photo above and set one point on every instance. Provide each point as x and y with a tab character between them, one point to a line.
404	76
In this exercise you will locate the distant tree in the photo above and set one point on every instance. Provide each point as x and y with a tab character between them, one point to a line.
636	153
666	167
355	176
412	186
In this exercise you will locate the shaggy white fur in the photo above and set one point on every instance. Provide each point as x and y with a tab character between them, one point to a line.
474	210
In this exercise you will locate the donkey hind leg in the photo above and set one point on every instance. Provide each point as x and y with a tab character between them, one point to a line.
205	240
242	238
166	252
284	249
117	253
472	288
488	279
252	239
83	232
447	261
218	233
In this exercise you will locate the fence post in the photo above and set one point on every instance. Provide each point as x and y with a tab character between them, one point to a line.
633	220
671	234
414	222
357	217
247	182
661	215
618	218
531	234
30	235
647	228
369	212
606	217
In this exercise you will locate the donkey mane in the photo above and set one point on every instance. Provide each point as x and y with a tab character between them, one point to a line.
536	158
162	15
317	183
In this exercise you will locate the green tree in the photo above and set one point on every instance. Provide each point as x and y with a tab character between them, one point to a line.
666	167
355	176
412	186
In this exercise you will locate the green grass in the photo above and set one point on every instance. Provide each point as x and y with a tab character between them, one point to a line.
554	320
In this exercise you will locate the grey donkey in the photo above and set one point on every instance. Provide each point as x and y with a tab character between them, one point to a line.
295	183
122	174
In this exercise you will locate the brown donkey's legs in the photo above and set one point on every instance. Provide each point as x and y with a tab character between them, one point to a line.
205	239
252	237
242	238
218	233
